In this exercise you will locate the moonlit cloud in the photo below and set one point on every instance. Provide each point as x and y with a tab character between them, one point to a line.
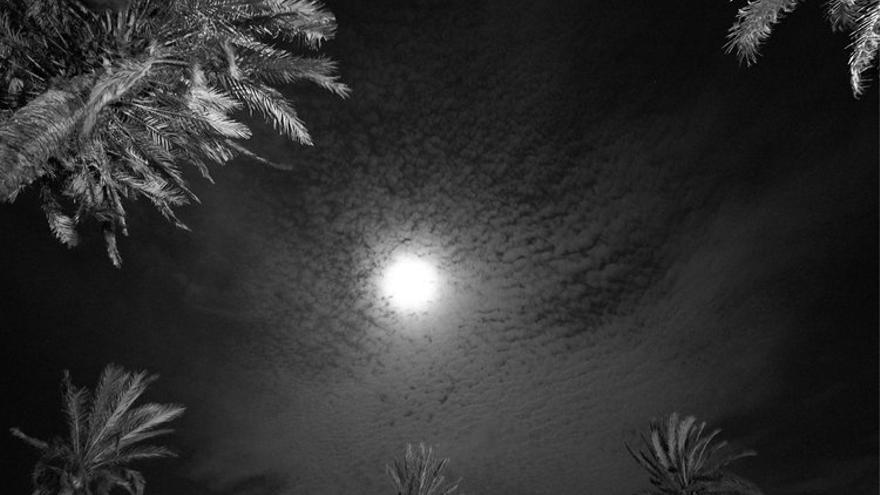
614	244
595	275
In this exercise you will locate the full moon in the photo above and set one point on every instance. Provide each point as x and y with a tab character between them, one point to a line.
410	283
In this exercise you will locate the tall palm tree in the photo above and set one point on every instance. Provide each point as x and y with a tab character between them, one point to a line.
100	105
681	461
860	18
419	473
106	433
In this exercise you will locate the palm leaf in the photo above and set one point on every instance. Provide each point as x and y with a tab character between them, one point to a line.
679	459
102	107
270	104
659	451
122	389
31	136
75	409
112	86
63	227
211	108
275	65
33	442
755	21
866	38
842	14
420	473
104	437
753	26
730	484
129	480
141	422
700	449
142	452
295	20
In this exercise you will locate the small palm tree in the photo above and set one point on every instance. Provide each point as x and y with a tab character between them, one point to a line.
681	461
860	18
419	473
105	435
99	106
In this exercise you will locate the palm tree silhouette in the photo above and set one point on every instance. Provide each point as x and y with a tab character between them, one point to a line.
681	461
420	473
101	105
105	434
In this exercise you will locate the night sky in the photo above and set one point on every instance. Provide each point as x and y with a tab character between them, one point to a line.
625	223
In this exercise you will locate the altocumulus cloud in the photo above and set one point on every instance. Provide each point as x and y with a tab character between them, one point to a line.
616	239
599	264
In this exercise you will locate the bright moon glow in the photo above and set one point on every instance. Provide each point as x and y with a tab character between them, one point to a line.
410	283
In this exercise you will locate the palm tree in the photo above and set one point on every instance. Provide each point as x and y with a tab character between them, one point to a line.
681	461
419	473
98	106
105	435
860	18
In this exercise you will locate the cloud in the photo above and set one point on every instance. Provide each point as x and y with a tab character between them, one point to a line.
597	272
613	239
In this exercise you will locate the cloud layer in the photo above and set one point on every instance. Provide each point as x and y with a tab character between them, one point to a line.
621	232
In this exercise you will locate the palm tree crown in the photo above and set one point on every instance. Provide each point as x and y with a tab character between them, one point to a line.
101	106
681	461
420	473
105	434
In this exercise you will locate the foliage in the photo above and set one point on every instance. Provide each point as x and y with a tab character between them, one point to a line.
102	106
860	18
105	434
681	461
419	473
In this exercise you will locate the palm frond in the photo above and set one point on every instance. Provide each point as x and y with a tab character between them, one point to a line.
134	482
129	480
112	86
679	459
105	106
112	245
842	14
286	69
116	393
270	104
698	453
33	442
32	135
110	383
142	452
140	424
753	26
75	409
241	150
866	38
420	473
729	484
63	227
106	435
294	20
212	107
755	21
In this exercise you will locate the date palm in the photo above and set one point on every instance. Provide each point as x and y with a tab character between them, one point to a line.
106	433
419	473
99	106
680	460
859	18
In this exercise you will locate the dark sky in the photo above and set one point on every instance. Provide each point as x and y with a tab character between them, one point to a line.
626	223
